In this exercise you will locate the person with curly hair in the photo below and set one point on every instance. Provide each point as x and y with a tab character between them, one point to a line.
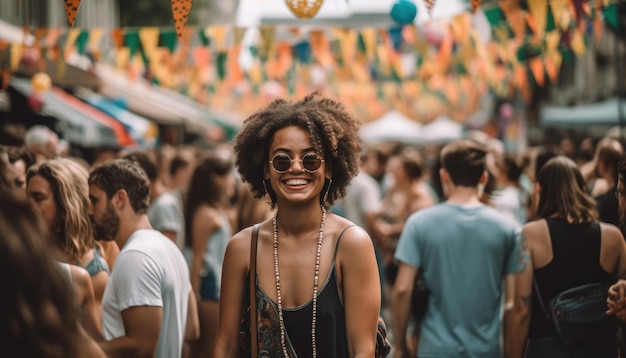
317	286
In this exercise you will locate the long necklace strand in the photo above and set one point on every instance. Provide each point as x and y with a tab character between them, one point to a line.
315	286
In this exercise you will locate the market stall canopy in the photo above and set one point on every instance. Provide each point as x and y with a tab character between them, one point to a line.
441	130
163	105
142	130
602	114
393	126
79	123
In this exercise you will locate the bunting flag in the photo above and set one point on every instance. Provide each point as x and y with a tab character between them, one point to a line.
536	67
578	42
266	41
369	37
118	38
553	65
181	9
71	9
539	13
149	37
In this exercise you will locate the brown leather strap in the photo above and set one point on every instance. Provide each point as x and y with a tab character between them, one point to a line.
253	318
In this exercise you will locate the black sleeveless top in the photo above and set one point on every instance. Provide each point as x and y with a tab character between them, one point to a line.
575	261
331	337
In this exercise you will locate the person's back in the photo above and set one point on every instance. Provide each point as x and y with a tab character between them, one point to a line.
464	263
149	270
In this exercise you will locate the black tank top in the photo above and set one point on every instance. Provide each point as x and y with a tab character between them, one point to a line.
575	261
331	337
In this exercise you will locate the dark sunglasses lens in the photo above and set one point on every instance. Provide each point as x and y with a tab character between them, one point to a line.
311	162
281	163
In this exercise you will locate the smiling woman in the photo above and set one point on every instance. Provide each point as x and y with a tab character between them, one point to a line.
317	284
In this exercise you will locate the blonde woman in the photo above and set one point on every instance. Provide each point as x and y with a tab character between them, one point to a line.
59	191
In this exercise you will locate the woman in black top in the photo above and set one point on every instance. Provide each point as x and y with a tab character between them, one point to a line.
568	247
317	285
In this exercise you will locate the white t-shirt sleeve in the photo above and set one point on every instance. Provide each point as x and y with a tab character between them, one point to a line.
139	281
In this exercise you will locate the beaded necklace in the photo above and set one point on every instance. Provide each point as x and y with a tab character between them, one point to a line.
315	285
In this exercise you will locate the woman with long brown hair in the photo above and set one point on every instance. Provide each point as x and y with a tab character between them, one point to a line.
59	191
568	248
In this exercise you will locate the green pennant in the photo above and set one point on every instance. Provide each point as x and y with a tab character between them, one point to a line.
81	41
221	65
568	56
254	51
206	41
494	15
131	39
611	15
168	39
361	44
550	21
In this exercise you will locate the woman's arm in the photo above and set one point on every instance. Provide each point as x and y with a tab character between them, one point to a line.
234	281
87	301
202	225
517	319
361	291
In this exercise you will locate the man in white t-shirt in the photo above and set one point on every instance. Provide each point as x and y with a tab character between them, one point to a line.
148	306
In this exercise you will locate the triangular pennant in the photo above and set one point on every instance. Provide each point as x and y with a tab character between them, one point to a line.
553	64
267	35
578	42
204	37
118	38
559	8
131	39
370	37
536	67
72	35
81	42
17	50
539	12
409	34
149	37
95	36
71	9
168	39
238	33
201	56
180	10
219	34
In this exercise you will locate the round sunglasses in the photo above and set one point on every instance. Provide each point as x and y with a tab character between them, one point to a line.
310	162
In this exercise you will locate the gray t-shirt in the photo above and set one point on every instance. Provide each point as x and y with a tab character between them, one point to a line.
465	253
165	214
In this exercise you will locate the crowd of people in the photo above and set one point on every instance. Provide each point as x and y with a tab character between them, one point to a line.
298	240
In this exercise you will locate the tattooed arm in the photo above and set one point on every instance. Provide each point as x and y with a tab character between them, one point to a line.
517	319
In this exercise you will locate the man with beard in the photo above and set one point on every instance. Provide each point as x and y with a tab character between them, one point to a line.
148	305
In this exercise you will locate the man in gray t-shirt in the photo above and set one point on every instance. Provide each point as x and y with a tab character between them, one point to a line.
464	250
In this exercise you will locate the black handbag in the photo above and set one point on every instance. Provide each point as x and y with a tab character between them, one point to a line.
579	314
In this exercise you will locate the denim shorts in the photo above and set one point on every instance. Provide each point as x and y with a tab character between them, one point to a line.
209	288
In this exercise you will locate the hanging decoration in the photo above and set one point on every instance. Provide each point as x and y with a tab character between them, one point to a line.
430	4
181	9
304	9
71	9
403	12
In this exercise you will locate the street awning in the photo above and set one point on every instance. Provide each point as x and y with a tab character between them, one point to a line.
79	123
142	130
163	105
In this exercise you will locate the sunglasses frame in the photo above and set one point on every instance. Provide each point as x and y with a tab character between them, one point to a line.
301	161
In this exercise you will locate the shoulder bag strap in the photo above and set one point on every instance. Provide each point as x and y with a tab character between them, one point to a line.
543	307
253	316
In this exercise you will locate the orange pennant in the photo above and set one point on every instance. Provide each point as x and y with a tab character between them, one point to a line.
536	67
118	38
71	9
181	9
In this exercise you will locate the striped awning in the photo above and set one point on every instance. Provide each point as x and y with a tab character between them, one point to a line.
79	123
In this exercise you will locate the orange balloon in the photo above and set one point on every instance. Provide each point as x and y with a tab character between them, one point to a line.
41	82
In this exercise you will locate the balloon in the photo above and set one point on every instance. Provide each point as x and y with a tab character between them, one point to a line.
41	82
403	12
433	33
30	58
35	101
